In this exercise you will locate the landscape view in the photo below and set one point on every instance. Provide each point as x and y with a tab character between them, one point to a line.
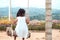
34	13
37	13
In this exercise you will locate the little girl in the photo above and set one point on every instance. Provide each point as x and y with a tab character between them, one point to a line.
21	21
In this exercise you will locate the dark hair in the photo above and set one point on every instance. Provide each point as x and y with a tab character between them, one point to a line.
21	12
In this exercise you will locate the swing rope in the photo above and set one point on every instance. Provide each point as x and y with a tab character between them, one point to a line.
9	30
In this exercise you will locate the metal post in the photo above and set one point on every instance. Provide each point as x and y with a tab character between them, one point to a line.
9	9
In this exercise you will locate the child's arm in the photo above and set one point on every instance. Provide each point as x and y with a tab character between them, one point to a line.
13	20
27	19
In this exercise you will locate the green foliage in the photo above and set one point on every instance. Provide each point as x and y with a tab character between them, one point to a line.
5	17
34	27
2	28
13	27
56	26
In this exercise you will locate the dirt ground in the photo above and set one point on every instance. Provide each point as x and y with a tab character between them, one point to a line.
34	35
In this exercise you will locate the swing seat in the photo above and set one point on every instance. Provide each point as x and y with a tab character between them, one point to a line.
14	33
29	35
9	33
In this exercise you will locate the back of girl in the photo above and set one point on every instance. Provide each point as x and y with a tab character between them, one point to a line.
21	27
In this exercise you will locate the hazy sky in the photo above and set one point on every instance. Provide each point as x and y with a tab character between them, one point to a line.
32	3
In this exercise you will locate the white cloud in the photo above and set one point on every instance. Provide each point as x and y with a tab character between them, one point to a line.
56	4
37	3
19	3
23	3
32	3
4	3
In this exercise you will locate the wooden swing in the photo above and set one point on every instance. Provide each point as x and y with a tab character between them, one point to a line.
9	28
10	32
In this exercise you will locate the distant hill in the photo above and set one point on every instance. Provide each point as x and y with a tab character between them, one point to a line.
35	13
56	14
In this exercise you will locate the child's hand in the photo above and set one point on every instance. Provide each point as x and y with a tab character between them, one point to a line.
11	17
27	19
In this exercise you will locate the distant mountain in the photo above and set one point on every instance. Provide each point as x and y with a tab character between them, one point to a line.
56	14
35	13
4	11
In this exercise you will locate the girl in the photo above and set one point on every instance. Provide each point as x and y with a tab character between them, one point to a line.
21	21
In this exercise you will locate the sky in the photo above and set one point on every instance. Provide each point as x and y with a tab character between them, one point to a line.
32	3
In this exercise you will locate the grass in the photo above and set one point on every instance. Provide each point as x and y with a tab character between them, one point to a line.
2	28
35	27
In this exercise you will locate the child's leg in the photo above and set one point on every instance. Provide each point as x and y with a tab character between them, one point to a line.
22	38
14	34
15	37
